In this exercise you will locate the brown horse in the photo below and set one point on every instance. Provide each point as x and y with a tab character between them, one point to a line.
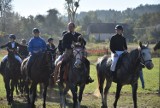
11	75
76	77
40	73
127	73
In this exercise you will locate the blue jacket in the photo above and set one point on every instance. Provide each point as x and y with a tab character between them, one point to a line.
36	45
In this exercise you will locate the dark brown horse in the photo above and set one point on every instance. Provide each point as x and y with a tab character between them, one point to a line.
40	73
11	75
127	73
76	77
157	46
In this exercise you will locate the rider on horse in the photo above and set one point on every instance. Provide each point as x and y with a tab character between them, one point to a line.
23	50
118	46
68	38
12	46
36	46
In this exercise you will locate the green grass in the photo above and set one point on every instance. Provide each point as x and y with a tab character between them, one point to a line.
146	97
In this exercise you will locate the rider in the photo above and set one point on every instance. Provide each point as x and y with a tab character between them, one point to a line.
68	38
12	45
36	46
50	44
23	50
118	46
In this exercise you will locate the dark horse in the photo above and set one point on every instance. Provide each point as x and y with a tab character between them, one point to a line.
127	73
76	77
40	73
11	75
157	46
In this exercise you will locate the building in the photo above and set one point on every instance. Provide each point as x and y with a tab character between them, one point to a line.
102	31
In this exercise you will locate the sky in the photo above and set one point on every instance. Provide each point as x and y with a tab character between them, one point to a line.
35	7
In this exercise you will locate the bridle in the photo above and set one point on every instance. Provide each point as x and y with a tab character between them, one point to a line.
142	60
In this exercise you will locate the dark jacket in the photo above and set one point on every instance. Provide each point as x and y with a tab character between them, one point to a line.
118	43
68	38
50	47
23	51
60	47
9	46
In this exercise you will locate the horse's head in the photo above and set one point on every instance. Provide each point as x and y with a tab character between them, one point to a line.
78	53
157	46
145	56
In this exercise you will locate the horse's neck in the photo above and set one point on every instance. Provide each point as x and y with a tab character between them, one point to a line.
134	59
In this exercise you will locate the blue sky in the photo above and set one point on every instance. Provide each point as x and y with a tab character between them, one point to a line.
34	7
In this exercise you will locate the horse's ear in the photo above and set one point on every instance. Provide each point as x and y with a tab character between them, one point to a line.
140	44
147	44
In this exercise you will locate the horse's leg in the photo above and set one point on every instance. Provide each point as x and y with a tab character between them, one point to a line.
7	87
101	79
27	90
33	93
118	90
74	93
134	94
108	85
80	94
44	94
12	89
16	86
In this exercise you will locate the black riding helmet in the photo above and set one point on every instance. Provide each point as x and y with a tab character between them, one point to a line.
35	30
23	41
119	27
50	39
12	36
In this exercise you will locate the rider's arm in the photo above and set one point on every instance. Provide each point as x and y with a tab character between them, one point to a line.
3	46
44	45
112	45
30	47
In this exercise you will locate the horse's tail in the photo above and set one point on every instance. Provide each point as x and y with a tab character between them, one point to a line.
99	68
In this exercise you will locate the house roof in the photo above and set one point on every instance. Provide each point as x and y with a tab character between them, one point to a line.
103	27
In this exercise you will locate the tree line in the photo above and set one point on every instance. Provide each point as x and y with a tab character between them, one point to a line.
143	21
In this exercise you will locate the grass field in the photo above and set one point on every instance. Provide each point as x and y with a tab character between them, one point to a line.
147	98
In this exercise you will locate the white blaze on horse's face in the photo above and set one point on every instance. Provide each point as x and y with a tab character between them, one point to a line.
147	59
78	54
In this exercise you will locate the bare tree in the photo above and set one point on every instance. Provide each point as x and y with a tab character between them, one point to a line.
71	6
5	7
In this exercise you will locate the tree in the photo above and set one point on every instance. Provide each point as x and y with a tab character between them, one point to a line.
5	7
71	6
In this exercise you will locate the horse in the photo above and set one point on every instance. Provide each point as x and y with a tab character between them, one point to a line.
157	46
40	73
11	75
76	76
127	73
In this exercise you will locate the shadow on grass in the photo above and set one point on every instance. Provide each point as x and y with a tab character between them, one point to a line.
17	104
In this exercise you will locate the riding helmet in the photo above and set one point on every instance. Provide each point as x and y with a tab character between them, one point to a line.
119	27
12	36
35	30
50	39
